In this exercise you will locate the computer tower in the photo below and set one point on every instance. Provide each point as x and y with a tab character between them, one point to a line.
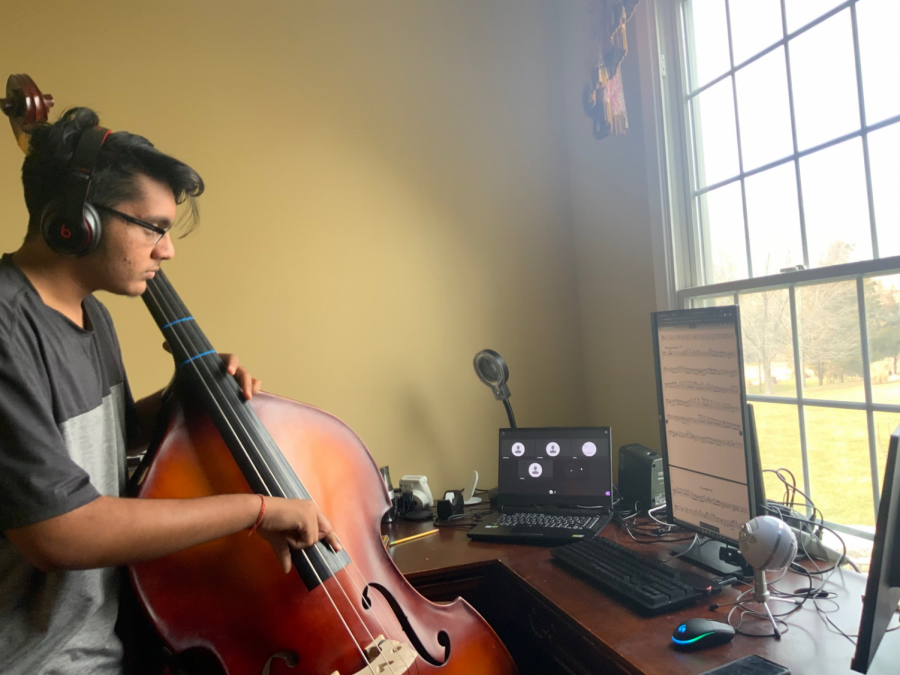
641	477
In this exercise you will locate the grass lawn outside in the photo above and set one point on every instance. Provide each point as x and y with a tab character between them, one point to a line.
837	449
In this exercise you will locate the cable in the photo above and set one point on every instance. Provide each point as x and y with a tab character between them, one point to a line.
649	529
739	604
821	612
639	528
472	516
814	593
668	526
791	491
687	550
802	522
630	513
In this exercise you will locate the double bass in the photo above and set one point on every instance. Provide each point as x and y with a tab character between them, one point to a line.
227	604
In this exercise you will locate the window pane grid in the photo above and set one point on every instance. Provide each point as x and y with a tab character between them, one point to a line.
801	153
703	231
787	37
700	297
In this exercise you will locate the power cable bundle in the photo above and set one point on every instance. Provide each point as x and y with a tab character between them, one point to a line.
813	525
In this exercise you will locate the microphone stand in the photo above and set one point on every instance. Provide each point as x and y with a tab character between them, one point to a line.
509	413
761	595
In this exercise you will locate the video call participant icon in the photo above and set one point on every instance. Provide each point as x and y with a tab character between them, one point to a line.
589	449
535	469
518	449
552	449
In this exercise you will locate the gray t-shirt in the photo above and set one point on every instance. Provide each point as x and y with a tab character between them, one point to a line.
65	409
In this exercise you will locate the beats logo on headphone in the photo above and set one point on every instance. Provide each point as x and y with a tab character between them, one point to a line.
70	224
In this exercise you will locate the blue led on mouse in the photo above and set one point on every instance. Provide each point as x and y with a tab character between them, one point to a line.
701	633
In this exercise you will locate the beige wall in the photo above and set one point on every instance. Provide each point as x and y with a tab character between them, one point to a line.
611	218
387	194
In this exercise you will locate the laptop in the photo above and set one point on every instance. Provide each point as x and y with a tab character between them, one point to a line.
554	486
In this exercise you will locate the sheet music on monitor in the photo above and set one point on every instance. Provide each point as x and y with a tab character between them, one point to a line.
702	404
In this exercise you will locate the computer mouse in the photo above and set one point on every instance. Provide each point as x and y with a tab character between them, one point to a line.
701	633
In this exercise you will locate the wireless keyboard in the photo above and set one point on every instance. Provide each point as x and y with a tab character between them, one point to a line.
644	583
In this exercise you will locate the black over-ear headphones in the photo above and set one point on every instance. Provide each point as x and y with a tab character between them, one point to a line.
70	224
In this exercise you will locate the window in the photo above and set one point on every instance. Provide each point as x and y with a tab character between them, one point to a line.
783	151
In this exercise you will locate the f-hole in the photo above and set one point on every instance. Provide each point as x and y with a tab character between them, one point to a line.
442	637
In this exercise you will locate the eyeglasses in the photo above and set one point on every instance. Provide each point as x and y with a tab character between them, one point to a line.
136	221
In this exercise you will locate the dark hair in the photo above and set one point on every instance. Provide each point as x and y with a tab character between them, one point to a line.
123	156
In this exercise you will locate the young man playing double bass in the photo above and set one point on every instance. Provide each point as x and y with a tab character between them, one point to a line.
66	413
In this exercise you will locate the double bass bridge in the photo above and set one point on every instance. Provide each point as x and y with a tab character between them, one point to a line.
386	657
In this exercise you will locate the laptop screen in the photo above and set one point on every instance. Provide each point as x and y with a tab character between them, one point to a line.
555	466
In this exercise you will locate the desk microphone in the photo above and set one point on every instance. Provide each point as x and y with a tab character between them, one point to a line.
767	543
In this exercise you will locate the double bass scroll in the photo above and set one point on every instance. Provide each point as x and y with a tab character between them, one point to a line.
25	106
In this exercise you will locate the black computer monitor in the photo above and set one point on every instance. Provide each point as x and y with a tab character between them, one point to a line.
707	431
883	586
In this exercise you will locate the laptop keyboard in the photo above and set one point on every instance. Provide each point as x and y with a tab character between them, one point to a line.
545	520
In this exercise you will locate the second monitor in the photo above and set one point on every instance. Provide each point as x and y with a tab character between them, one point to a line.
710	458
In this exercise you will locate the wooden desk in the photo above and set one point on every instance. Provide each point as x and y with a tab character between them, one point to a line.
553	622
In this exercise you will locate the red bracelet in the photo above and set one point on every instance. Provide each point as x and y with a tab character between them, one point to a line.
262	511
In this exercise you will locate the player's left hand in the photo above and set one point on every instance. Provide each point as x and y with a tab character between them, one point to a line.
249	385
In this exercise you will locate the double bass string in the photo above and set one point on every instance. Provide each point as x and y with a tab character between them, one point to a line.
181	334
